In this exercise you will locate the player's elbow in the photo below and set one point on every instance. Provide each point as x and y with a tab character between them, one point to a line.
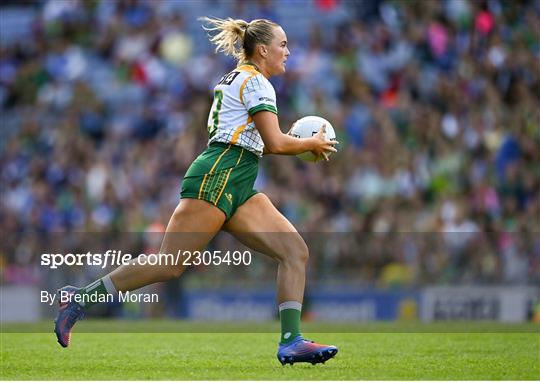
274	147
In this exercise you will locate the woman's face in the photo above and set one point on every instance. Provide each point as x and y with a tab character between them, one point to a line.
277	52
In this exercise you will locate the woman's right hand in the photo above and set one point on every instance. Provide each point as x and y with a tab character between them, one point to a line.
323	145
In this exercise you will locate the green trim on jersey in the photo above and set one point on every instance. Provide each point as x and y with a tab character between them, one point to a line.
218	99
261	107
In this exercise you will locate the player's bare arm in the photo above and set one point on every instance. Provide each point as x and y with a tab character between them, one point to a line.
276	142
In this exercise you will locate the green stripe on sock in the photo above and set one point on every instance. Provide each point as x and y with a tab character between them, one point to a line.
93	293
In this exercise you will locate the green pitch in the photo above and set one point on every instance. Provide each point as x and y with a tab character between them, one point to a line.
184	351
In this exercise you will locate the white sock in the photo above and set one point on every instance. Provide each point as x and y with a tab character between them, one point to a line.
109	286
290	305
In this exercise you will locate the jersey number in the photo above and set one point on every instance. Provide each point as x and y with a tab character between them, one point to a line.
228	79
216	107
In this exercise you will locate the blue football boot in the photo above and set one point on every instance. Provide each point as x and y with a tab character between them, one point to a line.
69	313
301	350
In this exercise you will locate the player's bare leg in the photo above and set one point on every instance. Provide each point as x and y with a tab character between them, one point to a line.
192	225
197	217
260	226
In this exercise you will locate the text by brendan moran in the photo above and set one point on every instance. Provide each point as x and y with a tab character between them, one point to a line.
94	297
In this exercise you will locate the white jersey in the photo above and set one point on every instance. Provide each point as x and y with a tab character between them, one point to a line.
237	97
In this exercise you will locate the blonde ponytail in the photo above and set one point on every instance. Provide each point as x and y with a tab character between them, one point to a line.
230	37
238	38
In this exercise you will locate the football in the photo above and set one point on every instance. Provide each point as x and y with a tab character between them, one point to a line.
307	127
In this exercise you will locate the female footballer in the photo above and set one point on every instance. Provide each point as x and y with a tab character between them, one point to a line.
217	190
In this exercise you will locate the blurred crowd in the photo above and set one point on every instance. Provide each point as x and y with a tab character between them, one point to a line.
436	105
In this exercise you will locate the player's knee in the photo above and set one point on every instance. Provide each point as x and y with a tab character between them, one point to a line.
296	252
302	252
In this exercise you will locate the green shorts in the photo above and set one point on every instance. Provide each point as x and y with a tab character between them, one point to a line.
223	175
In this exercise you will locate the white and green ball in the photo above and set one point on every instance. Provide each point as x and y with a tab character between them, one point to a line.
309	126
